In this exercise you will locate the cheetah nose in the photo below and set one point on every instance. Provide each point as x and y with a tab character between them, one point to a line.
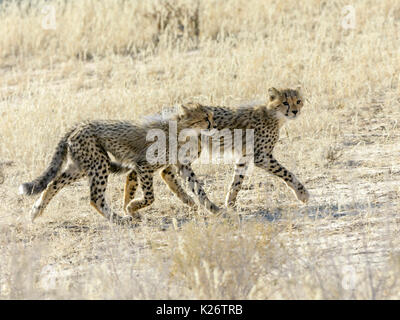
294	112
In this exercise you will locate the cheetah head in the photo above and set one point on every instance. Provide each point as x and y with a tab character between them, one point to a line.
196	116
286	102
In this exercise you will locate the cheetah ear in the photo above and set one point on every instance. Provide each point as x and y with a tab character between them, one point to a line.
184	110
273	94
298	89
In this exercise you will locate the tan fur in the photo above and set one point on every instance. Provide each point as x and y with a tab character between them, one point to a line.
86	147
266	120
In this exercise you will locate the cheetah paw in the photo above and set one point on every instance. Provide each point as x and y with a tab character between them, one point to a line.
36	210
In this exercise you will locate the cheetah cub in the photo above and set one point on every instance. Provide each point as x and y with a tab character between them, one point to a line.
266	120
87	146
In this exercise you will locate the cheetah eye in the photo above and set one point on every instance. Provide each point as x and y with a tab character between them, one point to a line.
298	101
286	103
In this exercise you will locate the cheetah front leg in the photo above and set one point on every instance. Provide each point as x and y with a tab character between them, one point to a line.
188	175
273	166
169	174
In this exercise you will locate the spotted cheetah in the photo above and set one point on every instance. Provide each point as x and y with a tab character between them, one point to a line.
266	121
87	146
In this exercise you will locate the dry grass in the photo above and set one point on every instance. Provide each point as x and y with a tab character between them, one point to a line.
123	59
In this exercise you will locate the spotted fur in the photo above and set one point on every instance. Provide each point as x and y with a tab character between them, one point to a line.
87	146
266	120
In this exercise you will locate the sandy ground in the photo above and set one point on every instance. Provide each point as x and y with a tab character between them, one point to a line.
344	244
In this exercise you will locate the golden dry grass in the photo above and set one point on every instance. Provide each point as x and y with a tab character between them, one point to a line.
111	59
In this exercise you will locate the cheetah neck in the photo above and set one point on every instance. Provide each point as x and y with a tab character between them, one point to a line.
278	116
281	119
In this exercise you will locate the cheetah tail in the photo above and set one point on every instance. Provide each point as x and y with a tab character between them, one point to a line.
118	168
41	182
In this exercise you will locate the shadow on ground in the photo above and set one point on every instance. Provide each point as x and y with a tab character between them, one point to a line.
314	212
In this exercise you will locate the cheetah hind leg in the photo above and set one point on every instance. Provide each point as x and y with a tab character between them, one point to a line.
98	185
70	175
130	188
146	182
238	177
98	176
